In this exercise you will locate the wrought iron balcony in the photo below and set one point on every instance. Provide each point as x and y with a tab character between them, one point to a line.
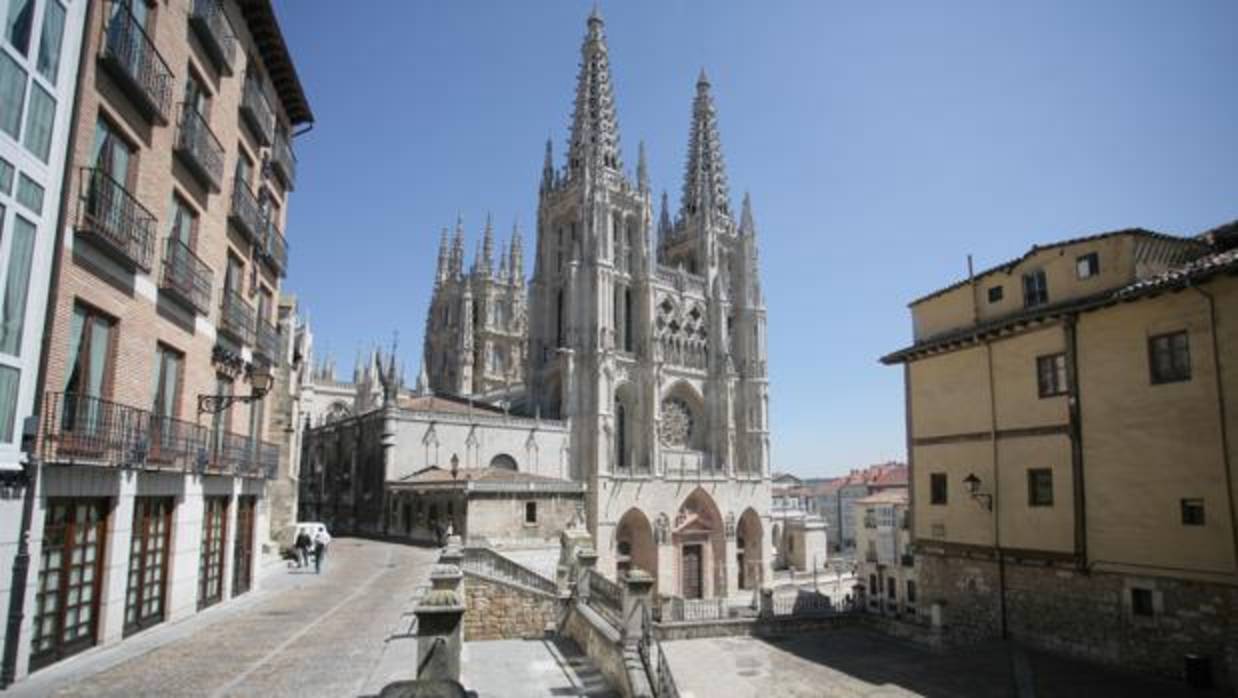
257	111
81	429
267	344
245	214
236	318
268	460
275	249
131	58
231	453
113	216
209	20
186	276
284	161
200	149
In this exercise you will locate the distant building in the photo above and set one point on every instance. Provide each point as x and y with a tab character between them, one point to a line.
801	538
1072	425
885	565
833	499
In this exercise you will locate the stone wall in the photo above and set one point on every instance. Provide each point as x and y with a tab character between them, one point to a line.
601	642
1087	615
498	611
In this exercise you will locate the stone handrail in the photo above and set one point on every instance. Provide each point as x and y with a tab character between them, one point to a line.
657	669
605	597
487	563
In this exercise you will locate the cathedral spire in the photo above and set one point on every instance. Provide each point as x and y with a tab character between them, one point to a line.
642	169
477	258
548	168
704	185
517	256
457	249
440	274
487	248
747	227
595	128
664	221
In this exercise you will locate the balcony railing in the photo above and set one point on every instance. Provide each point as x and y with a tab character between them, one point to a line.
257	111
200	149
232	453
131	57
111	214
275	248
246	215
268	460
267	343
236	318
284	161
215	33
80	429
186	276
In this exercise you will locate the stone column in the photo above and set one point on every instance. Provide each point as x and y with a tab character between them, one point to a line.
731	566
767	603
439	627
586	561
637	595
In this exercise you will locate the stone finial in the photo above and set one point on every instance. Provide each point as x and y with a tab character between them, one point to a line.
705	188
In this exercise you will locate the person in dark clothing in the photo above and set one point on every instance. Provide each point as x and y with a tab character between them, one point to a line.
303	548
321	540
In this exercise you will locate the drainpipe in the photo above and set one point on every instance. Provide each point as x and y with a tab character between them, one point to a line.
997	526
21	560
1220	386
1070	328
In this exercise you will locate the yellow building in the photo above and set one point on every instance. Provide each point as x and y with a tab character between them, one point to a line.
1071	422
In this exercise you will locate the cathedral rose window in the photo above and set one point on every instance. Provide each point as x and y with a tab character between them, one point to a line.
676	428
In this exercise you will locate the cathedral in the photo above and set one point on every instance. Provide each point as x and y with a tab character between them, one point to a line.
636	352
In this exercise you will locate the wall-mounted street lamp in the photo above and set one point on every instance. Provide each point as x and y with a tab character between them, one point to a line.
260	381
973	488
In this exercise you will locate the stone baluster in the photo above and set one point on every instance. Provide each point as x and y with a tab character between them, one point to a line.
586	561
439	625
637	594
767	603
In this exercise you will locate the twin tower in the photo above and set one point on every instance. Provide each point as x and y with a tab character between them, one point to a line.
647	334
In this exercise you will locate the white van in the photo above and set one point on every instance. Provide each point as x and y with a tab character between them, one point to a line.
288	536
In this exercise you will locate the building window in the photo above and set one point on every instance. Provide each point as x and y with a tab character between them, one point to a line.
995	294
937	488
1088	265
1141	603
1170	357
49	44
1192	512
40	118
891	588
90	355
30	194
10	381
1051	375
6	169
16	286
12	94
911	591
1040	487
1035	289
530	512
18	22
872	584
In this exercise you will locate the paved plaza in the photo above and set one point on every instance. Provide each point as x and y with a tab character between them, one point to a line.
531	669
341	633
853	663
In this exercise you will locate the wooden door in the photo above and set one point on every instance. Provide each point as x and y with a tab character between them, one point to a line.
145	600
692	572
243	546
65	619
211	559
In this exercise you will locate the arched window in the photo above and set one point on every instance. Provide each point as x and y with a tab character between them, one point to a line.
621	435
627	319
503	462
559	318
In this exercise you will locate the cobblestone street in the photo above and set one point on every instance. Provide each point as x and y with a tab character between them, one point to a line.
300	635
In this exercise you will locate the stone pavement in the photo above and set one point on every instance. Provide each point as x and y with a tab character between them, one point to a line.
531	669
300	634
853	662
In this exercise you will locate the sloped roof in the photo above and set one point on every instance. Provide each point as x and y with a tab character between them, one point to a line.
1011	264
887	476
445	403
435	474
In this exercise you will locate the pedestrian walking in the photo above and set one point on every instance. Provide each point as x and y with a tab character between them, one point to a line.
303	545
321	540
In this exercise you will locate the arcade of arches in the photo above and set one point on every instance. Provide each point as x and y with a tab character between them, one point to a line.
700	547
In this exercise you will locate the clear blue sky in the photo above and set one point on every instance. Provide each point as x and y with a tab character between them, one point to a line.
882	142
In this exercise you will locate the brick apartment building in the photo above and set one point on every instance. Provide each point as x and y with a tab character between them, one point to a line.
149	503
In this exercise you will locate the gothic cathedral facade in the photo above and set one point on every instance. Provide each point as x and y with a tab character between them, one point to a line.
645	337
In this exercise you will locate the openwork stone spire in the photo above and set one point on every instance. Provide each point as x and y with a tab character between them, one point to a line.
457	249
747	226
443	259
517	255
487	248
595	128
704	184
